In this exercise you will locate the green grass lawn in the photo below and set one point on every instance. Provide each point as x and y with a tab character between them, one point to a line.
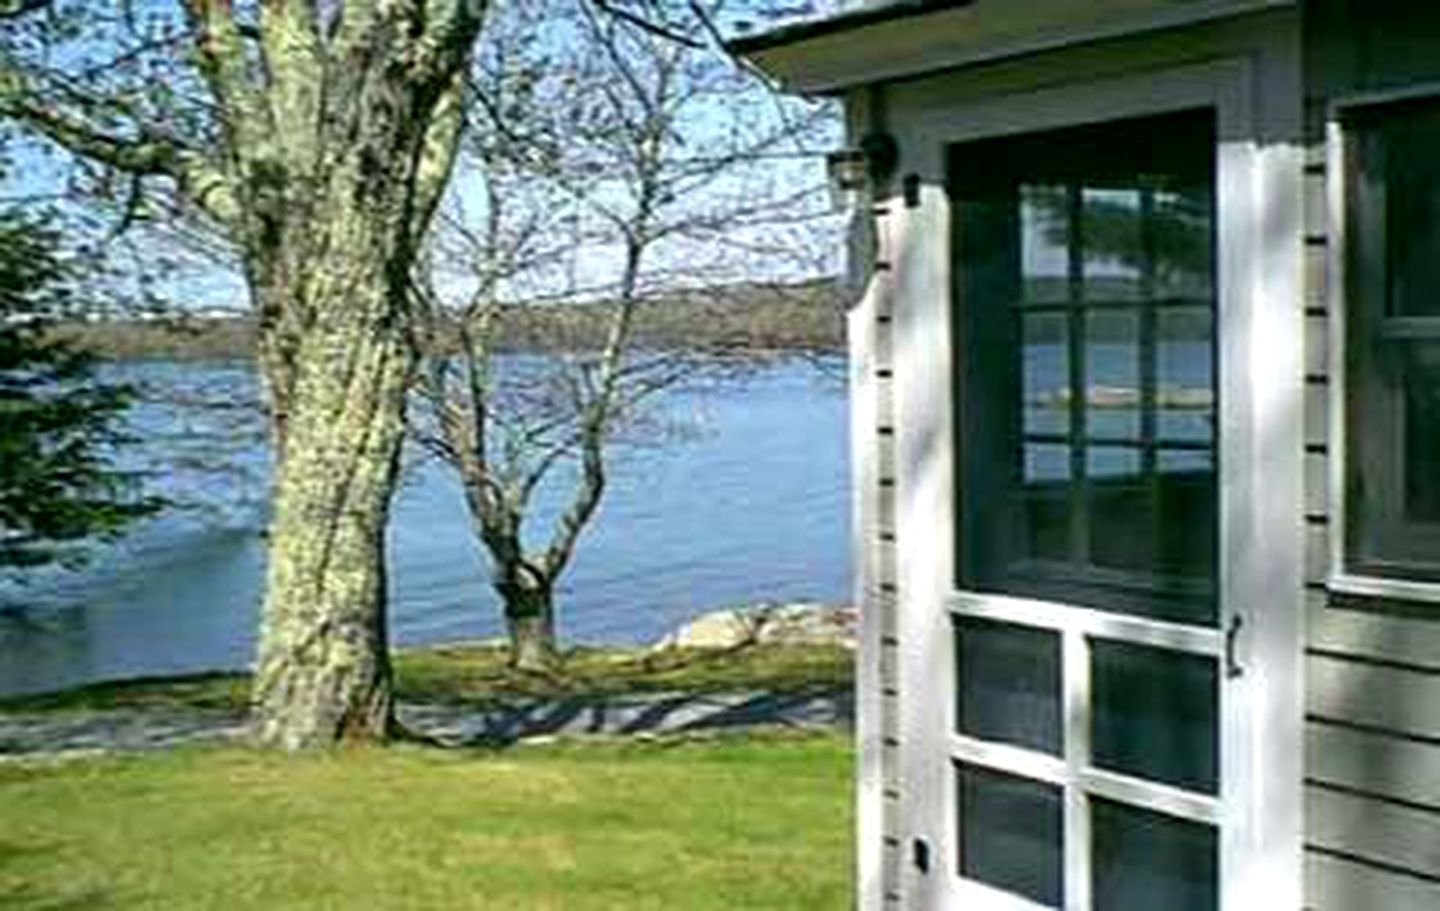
734	823
478	673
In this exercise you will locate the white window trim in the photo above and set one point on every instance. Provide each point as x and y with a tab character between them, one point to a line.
1337	164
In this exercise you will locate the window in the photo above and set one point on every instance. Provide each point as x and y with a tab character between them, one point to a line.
1086	315
1392	344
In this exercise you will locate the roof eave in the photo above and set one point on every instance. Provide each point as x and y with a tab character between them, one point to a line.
910	38
849	20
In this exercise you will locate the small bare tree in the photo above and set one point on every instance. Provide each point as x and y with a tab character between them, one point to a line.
613	164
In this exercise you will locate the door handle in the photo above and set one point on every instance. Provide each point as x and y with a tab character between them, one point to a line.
1232	640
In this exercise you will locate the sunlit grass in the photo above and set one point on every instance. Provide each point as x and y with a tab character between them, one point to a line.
478	673
735	823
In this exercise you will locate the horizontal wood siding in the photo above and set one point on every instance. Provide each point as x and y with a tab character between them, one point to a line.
1364	634
1372	741
1337	882
1349	689
1399	836
1394	768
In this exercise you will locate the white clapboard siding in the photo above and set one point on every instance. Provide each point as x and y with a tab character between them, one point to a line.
892	873
1375	696
1337	884
1382	833
1317	484
1317	414
1317	344
1315	205
1394	768
1317	553
1408	641
1315	260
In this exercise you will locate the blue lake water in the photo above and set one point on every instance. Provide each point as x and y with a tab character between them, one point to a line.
746	502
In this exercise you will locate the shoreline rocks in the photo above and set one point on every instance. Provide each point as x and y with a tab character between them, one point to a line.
792	623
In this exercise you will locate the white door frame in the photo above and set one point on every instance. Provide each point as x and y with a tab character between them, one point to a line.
1260	347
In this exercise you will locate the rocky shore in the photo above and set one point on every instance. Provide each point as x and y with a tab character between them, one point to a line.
778	623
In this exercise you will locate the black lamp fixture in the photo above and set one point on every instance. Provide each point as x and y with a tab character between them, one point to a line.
868	163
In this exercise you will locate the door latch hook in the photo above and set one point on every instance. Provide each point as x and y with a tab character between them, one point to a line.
1232	636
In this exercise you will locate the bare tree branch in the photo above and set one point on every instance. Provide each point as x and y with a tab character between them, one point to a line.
228	69
14	9
646	25
200	181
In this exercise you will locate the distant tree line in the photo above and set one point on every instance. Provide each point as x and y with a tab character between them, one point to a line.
762	319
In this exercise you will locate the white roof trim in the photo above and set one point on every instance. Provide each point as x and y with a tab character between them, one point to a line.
982	32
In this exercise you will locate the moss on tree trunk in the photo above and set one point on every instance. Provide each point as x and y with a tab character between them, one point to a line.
323	672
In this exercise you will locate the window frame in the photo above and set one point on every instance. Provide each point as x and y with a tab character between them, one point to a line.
1076	578
1343	127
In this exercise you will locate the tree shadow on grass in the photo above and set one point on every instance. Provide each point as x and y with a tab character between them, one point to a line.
505	722
18	893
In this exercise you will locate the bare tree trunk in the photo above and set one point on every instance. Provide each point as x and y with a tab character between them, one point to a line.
324	673
530	622
601	168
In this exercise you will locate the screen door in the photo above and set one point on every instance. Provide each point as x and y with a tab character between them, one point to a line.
1089	636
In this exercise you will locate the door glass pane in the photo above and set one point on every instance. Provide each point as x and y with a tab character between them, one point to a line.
1156	714
1044	510
1114	252
1045	465
1112	369
1090	483
1121	504
1184	375
1185	488
1144	860
1422	433
1413	215
1179	237
1011	832
1046	374
1009	684
1044	244
1113	463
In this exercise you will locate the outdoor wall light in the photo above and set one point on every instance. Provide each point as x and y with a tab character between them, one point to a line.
853	168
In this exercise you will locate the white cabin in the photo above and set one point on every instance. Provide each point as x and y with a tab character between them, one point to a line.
1146	380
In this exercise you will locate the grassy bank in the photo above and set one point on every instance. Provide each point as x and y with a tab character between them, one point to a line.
737	823
477	674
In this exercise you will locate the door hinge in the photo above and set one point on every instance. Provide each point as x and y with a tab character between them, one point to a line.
920	854
910	188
